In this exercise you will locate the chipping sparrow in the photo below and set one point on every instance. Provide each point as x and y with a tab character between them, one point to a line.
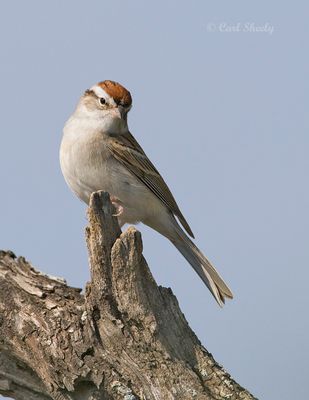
99	153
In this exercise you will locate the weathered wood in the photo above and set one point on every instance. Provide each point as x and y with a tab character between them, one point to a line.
124	338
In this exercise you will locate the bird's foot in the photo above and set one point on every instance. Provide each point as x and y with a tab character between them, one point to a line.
117	204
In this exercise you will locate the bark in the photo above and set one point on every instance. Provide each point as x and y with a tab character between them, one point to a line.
123	338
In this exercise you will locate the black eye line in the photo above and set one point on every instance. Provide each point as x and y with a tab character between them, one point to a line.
89	92
121	103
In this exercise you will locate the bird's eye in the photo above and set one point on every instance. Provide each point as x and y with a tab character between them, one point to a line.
102	100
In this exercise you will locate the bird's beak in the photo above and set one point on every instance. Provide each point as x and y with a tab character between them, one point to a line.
120	112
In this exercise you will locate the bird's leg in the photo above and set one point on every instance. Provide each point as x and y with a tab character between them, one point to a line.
117	205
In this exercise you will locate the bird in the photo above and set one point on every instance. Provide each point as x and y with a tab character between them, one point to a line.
98	152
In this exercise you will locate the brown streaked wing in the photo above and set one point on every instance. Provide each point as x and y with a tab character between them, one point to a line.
127	150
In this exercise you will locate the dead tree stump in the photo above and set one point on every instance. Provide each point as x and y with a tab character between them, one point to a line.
123	338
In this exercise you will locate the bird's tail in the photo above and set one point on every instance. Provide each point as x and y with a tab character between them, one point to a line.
202	266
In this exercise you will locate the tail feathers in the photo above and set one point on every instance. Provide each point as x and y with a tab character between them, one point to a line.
203	267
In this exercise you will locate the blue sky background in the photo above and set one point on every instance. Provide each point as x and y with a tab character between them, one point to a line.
224	117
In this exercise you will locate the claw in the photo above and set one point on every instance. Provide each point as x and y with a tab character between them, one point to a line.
118	208
117	205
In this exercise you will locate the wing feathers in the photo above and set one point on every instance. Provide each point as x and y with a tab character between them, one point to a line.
127	150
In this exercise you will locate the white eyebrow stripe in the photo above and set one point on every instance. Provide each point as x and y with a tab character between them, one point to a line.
101	93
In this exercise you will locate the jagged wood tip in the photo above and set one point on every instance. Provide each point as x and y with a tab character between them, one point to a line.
124	339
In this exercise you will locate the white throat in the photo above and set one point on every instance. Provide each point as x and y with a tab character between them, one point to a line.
84	121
